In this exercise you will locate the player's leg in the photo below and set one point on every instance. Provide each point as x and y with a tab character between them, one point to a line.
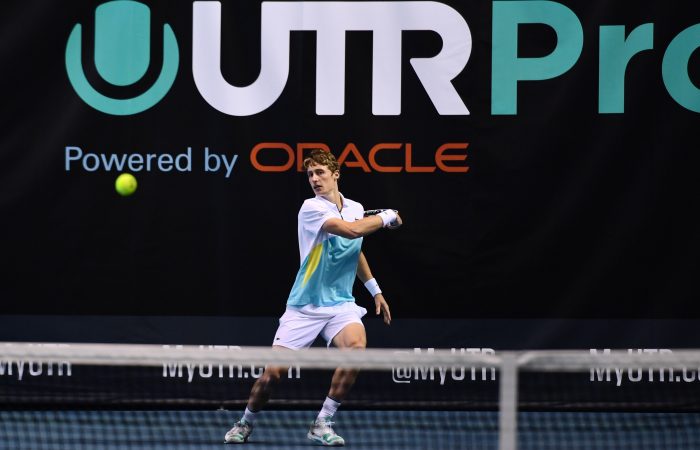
351	335
259	396
297	329
260	393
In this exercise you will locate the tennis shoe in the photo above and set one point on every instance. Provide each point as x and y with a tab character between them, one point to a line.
321	432
239	434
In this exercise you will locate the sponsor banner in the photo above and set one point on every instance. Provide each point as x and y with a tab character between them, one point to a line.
541	154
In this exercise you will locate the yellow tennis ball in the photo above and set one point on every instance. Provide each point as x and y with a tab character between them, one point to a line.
125	184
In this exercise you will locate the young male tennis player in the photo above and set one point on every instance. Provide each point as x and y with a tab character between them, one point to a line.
330	230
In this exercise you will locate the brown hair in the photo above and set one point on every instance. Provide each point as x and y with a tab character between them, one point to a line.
322	157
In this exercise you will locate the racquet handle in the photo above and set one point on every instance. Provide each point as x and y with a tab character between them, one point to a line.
374	212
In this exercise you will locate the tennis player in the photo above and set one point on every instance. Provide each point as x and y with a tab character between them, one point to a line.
330	230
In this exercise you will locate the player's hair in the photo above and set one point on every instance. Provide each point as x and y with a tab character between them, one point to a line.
322	157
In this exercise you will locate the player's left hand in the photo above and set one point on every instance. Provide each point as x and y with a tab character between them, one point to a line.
382	306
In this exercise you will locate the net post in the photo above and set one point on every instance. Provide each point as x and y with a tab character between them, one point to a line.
508	403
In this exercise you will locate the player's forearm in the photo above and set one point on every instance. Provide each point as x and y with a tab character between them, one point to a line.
363	271
366	226
365	275
354	230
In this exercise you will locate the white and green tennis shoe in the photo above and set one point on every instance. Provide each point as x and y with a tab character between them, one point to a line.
239	434
321	432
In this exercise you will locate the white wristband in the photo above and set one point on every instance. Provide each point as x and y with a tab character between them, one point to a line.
373	287
387	216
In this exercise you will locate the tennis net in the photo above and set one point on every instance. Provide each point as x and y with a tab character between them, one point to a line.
109	396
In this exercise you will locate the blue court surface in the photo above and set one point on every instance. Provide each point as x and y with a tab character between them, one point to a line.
471	430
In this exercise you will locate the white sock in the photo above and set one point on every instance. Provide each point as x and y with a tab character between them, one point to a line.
329	408
249	416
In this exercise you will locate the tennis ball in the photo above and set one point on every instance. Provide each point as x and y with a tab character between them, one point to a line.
125	184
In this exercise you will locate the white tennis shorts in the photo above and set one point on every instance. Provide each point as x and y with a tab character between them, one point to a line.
299	327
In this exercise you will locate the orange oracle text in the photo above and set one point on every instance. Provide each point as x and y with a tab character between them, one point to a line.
385	157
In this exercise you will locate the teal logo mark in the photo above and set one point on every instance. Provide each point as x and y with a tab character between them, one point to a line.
122	56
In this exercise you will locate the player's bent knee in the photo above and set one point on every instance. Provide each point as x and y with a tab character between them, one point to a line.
352	336
358	342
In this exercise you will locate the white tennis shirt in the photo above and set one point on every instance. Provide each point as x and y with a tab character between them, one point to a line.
328	262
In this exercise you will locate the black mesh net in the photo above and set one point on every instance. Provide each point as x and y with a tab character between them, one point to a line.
151	397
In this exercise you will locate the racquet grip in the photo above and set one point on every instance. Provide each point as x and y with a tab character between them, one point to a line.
374	212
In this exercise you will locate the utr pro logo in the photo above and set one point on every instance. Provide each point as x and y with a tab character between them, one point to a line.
122	56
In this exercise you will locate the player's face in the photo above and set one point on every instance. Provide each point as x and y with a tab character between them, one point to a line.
321	179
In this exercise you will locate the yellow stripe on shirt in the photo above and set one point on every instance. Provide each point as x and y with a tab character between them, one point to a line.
312	262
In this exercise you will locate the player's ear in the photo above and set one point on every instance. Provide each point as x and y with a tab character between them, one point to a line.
336	174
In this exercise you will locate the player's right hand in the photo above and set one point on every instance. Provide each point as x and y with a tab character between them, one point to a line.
395	223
